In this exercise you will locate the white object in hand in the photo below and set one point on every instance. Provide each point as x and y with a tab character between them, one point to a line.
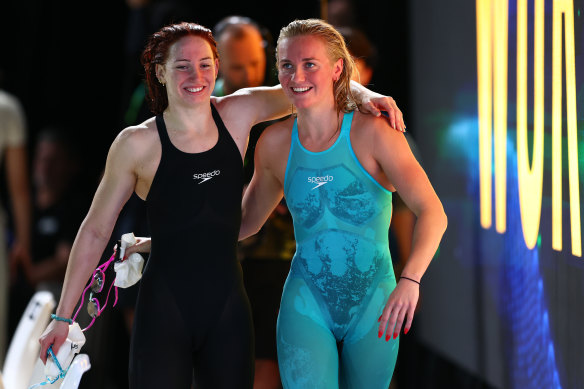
129	271
72	345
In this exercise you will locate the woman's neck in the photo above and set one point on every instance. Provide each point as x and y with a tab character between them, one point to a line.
191	119
319	126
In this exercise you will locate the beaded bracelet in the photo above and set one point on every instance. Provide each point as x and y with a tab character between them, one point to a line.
59	318
411	279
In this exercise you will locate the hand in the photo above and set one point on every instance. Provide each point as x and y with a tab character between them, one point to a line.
378	103
142	245
400	305
55	335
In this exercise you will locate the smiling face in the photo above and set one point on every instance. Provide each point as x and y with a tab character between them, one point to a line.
189	72
306	72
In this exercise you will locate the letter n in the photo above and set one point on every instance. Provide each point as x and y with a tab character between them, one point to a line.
530	179
564	8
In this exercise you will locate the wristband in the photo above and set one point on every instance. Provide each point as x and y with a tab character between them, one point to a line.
59	318
410	279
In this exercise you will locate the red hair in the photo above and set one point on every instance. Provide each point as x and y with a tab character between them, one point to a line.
156	53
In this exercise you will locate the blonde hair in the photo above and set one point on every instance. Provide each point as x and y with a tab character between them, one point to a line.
336	48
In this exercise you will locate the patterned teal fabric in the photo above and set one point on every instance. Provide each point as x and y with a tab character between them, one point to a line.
341	274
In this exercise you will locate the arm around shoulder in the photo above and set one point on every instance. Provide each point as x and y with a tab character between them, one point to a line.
255	105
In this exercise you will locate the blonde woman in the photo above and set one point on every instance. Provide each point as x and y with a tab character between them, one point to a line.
341	309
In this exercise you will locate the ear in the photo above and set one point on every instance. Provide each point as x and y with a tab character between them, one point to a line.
338	69
216	67
160	74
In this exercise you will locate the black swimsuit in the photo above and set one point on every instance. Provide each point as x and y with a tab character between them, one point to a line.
192	311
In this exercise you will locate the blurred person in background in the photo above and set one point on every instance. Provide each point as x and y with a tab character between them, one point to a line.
14	156
363	51
242	50
58	209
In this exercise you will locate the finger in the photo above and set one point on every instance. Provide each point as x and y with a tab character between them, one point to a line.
391	116
44	348
372	109
391	322
56	347
383	321
409	320
398	324
392	109
401	121
397	119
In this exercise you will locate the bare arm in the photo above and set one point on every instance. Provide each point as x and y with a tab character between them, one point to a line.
410	180
114	190
142	245
265	189
249	106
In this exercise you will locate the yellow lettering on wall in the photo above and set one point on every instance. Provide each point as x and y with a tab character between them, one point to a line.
564	8
530	179
492	27
485	96
492	35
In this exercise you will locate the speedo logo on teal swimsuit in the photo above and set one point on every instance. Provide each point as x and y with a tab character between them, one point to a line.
206	176
320	181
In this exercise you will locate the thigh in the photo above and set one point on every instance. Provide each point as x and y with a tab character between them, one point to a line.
368	361
226	359
307	350
160	350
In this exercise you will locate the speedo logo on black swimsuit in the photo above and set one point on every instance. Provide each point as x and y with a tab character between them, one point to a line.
206	176
320	181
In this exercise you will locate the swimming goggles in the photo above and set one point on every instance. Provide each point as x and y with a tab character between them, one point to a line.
96	284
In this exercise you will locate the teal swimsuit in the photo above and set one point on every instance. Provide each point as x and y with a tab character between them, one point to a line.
341	274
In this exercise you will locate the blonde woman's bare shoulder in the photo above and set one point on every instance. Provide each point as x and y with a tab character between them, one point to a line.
278	133
372	126
275	139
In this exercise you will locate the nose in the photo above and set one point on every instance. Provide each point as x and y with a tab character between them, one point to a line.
298	75
195	73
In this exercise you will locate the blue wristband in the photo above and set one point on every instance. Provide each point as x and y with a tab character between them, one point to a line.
59	318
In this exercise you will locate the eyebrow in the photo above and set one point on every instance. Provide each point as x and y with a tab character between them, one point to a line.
187	60
303	59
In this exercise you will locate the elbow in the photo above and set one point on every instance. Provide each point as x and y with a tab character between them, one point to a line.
443	220
94	231
247	227
247	231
